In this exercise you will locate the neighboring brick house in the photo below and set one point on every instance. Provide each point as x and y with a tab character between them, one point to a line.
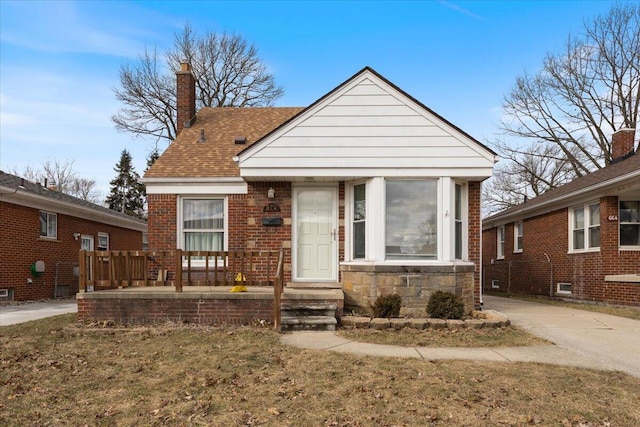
578	241
41	228
367	190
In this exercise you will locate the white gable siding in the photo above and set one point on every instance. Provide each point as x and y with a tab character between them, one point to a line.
367	128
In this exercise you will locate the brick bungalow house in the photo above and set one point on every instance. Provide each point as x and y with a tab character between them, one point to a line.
579	241
41	233
367	190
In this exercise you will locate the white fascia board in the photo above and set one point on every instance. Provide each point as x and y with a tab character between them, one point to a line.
220	185
473	173
582	195
57	206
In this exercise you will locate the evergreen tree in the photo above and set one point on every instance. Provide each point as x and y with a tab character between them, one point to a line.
127	192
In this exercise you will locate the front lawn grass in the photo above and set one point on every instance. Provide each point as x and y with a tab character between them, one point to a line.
56	373
508	336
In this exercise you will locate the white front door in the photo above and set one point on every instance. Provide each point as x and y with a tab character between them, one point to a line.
315	250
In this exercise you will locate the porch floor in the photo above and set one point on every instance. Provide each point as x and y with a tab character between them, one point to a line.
211	292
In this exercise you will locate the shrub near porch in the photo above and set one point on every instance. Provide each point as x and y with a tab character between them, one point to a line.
363	284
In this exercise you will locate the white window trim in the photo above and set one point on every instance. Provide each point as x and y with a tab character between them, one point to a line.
563	292
625	247
180	231
518	231
348	226
47	236
376	221
501	233
442	228
587	222
100	248
465	220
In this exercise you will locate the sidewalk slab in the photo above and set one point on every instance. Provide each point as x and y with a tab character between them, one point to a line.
20	313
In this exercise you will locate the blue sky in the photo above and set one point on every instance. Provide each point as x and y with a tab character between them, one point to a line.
59	61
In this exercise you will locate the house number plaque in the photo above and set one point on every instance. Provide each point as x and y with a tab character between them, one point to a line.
271	207
612	217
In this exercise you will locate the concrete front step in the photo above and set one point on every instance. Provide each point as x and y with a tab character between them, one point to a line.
316	323
308	316
289	306
314	285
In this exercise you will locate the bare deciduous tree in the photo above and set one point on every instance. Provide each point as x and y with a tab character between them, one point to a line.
60	175
228	73
562	118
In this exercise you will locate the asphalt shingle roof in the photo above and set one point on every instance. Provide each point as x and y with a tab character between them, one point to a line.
612	171
25	186
187	157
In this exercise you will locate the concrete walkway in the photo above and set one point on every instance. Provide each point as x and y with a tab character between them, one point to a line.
582	339
13	314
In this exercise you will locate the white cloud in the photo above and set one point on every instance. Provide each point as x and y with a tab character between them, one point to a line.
461	9
66	27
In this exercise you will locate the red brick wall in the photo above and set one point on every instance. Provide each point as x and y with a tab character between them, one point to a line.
221	309
162	221
547	236
21	246
186	98
474	237
158	310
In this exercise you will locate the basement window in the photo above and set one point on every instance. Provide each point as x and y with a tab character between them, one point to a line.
495	284
563	288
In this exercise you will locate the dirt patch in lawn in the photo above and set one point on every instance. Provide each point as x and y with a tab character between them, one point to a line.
54	373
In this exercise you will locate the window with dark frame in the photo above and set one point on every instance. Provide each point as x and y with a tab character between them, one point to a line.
629	223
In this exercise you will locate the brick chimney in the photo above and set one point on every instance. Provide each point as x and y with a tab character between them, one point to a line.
622	144
186	97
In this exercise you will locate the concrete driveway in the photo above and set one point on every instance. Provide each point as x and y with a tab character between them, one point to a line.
612	342
12	314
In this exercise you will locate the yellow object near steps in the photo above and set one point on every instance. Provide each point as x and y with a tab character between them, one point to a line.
239	287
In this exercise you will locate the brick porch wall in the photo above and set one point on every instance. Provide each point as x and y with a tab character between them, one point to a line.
200	307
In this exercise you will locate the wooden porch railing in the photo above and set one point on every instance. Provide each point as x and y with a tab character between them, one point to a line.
119	269
102	270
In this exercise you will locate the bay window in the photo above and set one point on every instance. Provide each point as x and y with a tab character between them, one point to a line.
359	221
411	228
458	222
